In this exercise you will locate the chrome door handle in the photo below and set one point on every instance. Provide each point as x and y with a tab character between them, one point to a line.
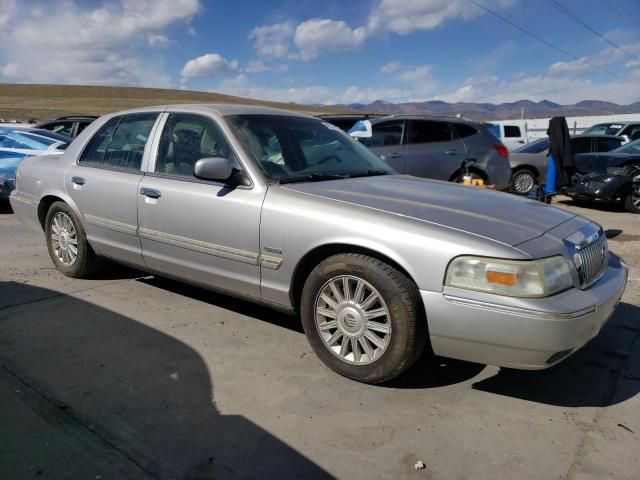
395	155
151	193
78	180
452	152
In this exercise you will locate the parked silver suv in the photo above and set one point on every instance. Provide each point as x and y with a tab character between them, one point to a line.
435	147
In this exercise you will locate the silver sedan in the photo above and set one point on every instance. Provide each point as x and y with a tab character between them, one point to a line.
289	211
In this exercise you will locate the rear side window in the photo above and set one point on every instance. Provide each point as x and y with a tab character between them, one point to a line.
385	134
606	144
464	130
580	145
512	131
425	131
120	142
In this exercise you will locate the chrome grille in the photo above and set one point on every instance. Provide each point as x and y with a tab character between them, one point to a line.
591	259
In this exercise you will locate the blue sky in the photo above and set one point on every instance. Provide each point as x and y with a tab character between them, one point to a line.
331	51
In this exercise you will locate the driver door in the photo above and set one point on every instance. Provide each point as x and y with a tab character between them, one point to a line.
200	230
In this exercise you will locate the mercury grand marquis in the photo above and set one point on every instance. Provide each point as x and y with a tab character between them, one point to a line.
289	211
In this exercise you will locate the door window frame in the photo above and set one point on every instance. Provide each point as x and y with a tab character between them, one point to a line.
155	148
145	154
452	130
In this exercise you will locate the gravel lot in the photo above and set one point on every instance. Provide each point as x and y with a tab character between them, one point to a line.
132	376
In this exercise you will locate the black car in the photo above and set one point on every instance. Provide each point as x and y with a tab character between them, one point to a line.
71	126
611	177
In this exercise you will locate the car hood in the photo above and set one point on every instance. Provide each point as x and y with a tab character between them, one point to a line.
501	217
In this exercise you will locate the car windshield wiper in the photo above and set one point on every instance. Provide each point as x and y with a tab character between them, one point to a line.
370	173
313	177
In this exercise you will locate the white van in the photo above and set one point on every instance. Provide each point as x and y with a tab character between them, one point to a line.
512	134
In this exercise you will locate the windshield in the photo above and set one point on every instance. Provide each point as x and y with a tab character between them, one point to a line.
632	148
534	147
290	148
603	129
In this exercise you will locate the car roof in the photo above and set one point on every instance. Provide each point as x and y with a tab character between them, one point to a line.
588	135
222	109
614	122
39	131
409	116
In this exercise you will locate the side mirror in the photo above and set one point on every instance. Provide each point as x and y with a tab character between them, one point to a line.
625	139
213	168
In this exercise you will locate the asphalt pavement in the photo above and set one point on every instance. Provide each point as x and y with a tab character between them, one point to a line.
130	376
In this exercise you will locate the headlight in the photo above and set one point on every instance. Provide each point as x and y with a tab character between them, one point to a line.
528	278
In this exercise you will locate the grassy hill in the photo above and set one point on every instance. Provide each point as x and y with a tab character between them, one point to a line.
24	101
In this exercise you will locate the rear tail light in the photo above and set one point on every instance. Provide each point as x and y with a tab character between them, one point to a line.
501	149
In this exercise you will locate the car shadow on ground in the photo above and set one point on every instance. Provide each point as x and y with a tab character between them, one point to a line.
587	378
146	396
598	375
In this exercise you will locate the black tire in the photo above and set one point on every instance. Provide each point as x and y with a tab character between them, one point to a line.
634	196
521	176
86	261
408	334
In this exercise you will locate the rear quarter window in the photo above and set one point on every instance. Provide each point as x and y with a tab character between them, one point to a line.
464	130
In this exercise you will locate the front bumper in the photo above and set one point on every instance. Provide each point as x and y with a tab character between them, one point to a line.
521	333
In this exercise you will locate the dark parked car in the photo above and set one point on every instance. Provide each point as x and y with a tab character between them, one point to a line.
436	147
344	121
71	126
612	177
529	163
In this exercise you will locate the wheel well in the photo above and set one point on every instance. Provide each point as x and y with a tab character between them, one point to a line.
43	207
477	171
531	168
317	255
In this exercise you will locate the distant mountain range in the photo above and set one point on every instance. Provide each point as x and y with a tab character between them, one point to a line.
503	111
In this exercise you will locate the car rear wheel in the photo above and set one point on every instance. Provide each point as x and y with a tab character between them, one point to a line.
523	181
362	317
67	242
632	202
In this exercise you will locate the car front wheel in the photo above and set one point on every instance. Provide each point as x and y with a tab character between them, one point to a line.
632	202
523	181
363	317
67	242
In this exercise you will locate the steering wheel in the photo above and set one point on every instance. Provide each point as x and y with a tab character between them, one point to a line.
329	158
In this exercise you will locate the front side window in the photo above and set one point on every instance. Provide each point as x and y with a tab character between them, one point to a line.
607	144
512	131
291	148
538	146
426	131
187	138
120	142
385	134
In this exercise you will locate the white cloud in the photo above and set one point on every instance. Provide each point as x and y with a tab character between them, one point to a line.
560	89
406	16
273	41
158	40
390	67
322	35
258	66
591	63
104	45
208	65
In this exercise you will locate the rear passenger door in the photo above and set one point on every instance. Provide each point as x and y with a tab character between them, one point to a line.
388	140
104	184
434	150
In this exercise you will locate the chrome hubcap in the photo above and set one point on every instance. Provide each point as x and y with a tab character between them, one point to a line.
64	239
523	183
352	320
